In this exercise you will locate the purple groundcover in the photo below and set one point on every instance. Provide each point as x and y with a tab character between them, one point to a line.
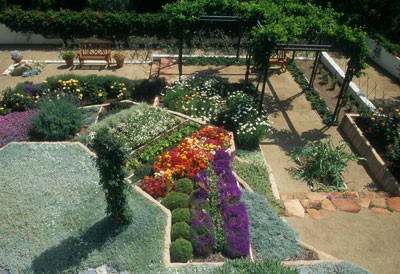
14	127
234	212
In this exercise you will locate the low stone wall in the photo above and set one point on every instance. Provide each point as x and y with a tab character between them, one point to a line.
374	162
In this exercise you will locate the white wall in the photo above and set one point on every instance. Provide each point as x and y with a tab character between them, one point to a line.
384	59
10	37
356	93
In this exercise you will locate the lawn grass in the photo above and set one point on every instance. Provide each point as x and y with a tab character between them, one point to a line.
53	215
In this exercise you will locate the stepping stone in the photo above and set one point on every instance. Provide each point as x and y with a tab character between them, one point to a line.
327	205
305	202
315	213
294	208
394	203
367	194
379	202
315	196
382	211
347	205
363	202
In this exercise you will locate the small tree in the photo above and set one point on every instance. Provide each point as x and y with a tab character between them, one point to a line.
110	160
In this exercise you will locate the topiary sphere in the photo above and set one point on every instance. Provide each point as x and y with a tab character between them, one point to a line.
180	251
180	230
181	215
184	185
176	200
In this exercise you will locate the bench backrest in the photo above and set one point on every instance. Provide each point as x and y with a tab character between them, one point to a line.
95	48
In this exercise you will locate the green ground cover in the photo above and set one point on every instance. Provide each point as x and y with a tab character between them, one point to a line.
53	215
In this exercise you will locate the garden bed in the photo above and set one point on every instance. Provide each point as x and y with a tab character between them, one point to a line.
364	148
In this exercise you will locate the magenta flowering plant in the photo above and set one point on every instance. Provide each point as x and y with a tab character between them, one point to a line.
14	127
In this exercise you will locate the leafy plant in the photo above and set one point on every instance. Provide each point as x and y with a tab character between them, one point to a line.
56	120
181	251
181	215
321	164
68	55
110	160
184	185
175	200
180	230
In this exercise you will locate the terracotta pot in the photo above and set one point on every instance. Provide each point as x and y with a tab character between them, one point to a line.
17	59
69	62
120	63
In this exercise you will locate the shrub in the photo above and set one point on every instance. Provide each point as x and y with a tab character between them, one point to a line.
16	100
110	160
14	127
180	230
176	200
321	164
181	251
56	120
270	235
181	215
184	185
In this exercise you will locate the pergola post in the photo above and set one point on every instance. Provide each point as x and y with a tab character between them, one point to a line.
180	56
265	70
246	76
314	70
238	43
346	82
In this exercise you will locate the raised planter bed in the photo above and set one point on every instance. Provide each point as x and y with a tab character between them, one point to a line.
363	147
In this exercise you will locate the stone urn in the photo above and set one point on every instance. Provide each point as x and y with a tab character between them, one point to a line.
16	56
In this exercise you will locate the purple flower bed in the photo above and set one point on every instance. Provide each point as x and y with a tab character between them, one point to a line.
14	127
233	211
202	233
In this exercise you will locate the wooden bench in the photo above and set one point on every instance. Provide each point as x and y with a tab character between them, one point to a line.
95	50
281	59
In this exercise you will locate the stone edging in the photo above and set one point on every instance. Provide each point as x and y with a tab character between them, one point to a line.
316	203
374	162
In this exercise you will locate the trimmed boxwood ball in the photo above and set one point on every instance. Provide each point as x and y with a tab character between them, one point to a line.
180	230
181	215
181	251
176	200
184	185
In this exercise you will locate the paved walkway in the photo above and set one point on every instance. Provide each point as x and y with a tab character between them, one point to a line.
369	238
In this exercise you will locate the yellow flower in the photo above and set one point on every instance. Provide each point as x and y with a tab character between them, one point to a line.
100	94
80	96
60	81
112	87
380	108
78	90
123	88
